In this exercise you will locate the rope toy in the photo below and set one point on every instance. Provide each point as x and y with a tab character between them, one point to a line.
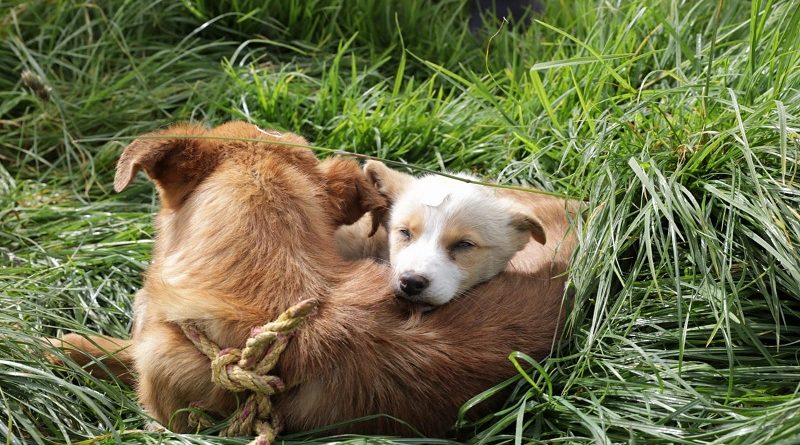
239	370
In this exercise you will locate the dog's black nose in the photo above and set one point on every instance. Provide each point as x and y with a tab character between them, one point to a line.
413	284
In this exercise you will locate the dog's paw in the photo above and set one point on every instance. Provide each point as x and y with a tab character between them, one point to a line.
154	427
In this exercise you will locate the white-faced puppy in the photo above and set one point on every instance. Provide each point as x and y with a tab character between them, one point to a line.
446	235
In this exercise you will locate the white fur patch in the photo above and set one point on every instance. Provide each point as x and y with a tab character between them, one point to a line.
435	198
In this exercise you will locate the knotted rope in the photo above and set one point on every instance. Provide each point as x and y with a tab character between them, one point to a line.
246	369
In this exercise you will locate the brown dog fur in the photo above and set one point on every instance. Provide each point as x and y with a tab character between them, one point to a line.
104	357
246	230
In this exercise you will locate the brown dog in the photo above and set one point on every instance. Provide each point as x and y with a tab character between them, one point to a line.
246	230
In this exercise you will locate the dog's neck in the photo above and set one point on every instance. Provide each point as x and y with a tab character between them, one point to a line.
254	271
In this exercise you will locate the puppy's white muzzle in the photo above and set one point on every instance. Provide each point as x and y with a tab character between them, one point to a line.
424	272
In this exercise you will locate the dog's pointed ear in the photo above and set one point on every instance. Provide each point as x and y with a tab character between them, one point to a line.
351	193
172	159
528	226
390	183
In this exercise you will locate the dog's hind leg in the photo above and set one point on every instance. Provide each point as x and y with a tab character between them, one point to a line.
104	357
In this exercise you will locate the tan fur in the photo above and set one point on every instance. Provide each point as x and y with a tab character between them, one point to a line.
353	241
247	231
104	357
390	183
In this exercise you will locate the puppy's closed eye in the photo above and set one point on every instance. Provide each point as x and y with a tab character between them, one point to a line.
462	245
405	234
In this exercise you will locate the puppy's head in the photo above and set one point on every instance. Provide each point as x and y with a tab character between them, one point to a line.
447	236
237	172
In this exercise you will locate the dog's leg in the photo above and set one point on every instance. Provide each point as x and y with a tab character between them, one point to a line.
175	375
91	351
353	242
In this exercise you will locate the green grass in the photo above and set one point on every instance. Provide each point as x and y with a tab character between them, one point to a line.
676	121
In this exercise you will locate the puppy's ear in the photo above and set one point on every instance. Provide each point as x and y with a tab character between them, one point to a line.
390	183
352	194
528	226
172	160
